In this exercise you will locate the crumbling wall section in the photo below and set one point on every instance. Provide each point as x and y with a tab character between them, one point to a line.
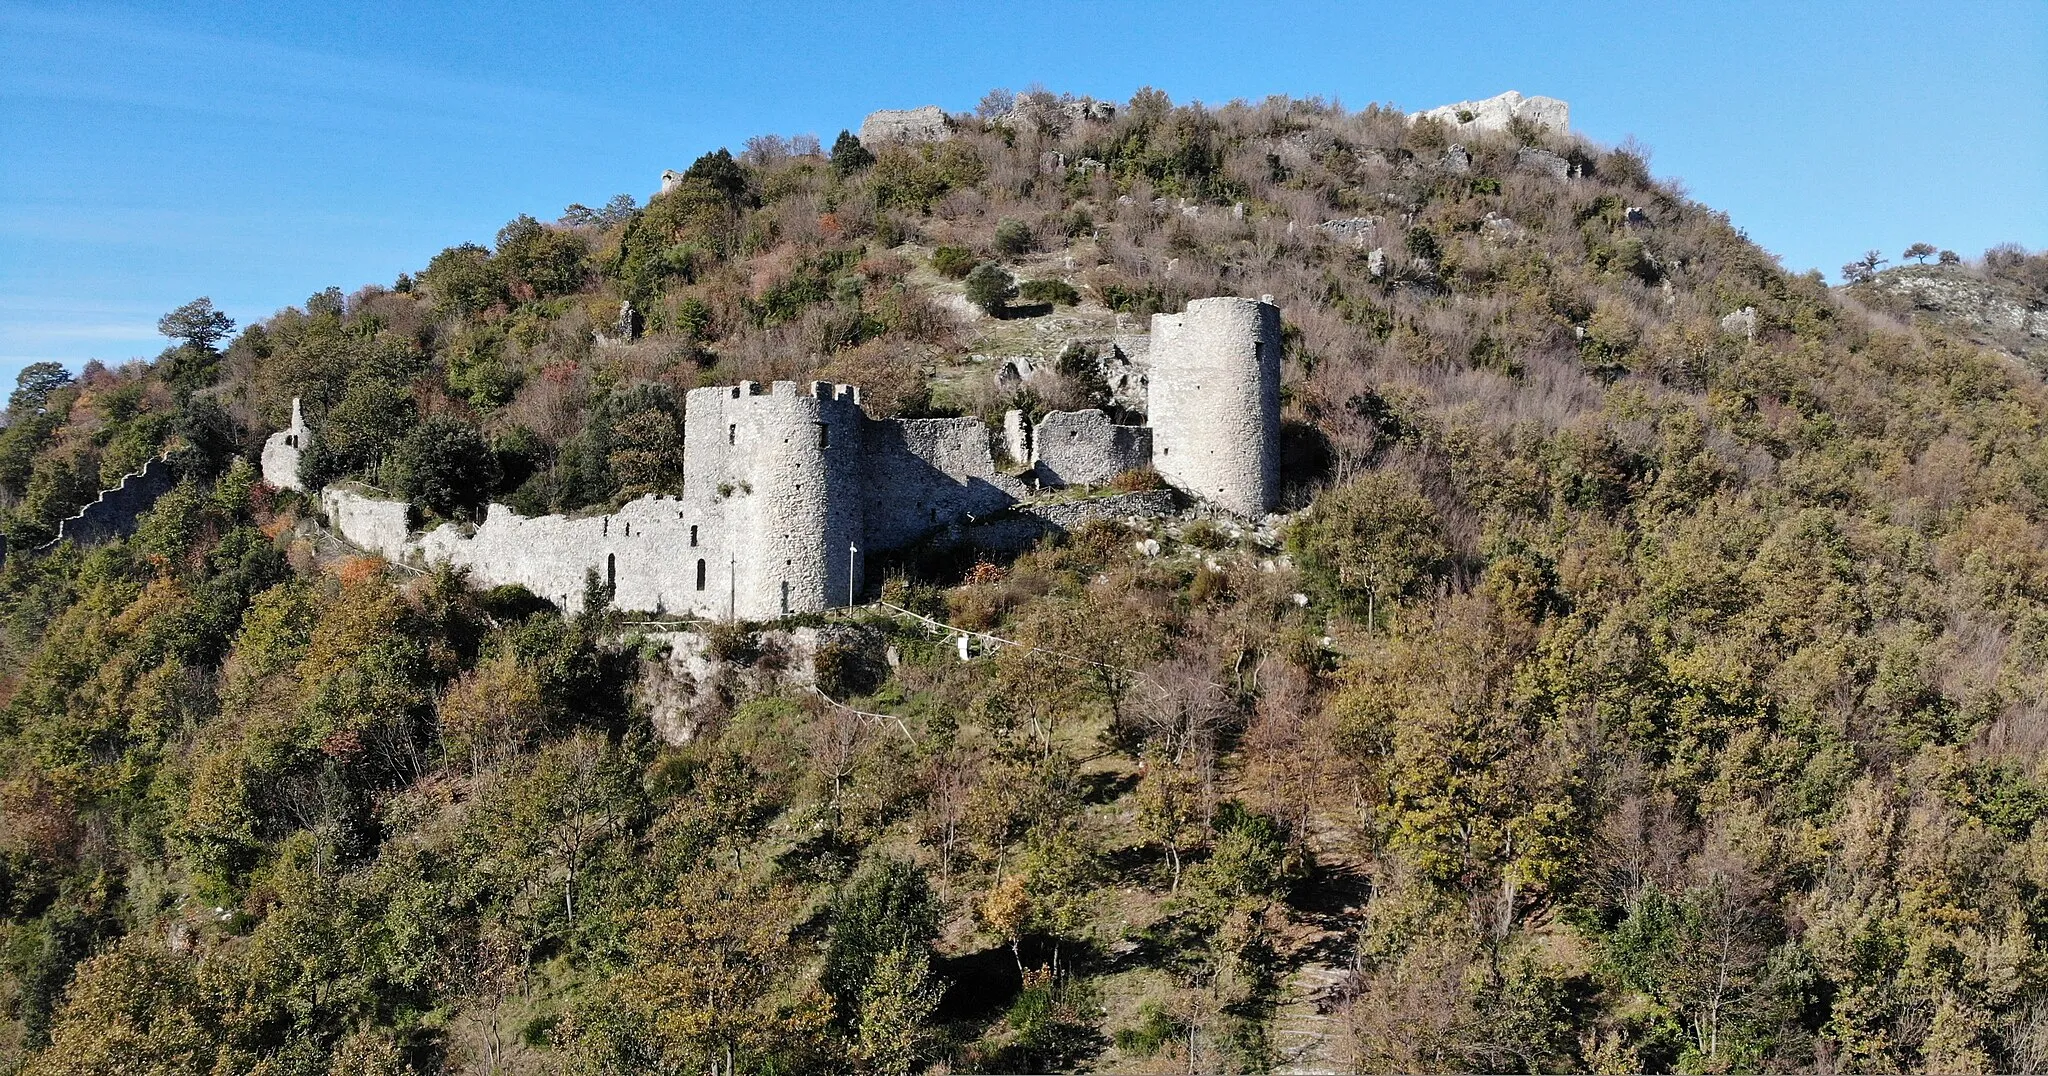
640	552
282	451
927	473
1215	402
926	124
1027	525
371	523
1084	448
115	512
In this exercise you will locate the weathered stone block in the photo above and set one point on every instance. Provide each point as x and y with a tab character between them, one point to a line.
926	124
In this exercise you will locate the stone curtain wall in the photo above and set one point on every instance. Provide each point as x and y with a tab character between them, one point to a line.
116	511
641	552
1215	407
381	526
928	473
1083	448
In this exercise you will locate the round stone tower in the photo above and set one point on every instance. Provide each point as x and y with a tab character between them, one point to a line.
775	478
1214	402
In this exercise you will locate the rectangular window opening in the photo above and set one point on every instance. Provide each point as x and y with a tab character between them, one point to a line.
693	543
732	434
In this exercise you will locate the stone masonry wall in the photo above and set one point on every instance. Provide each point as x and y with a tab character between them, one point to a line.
930	472
1018	530
1215	402
115	512
372	523
282	450
640	551
925	124
1083	448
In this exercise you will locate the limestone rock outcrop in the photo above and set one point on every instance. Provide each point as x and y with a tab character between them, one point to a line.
1988	310
1495	113
1740	323
1044	112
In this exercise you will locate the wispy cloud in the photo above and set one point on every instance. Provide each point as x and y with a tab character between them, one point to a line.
131	60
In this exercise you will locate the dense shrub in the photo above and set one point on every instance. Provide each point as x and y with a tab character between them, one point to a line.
1013	237
1057	292
954	262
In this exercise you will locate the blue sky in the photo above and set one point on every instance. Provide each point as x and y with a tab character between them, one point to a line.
256	153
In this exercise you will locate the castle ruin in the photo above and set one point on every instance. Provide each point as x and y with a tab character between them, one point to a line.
789	488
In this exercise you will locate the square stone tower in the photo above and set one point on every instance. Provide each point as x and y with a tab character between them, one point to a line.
1214	402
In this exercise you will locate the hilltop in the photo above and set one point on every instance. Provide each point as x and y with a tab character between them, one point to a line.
1642	670
2001	303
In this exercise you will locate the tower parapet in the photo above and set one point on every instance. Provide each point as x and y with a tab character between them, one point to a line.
775	479
1214	403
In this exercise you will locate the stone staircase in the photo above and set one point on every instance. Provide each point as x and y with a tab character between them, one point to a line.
1303	1027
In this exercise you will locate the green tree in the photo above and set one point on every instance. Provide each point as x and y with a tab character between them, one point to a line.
327	302
462	280
1369	542
848	155
1168	796
196	323
536	261
1013	237
33	386
888	907
896	1006
443	465
991	288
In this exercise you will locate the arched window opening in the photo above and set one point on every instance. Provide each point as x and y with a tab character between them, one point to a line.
700	575
611	571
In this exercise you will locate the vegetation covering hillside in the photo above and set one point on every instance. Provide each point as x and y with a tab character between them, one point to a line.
1658	696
